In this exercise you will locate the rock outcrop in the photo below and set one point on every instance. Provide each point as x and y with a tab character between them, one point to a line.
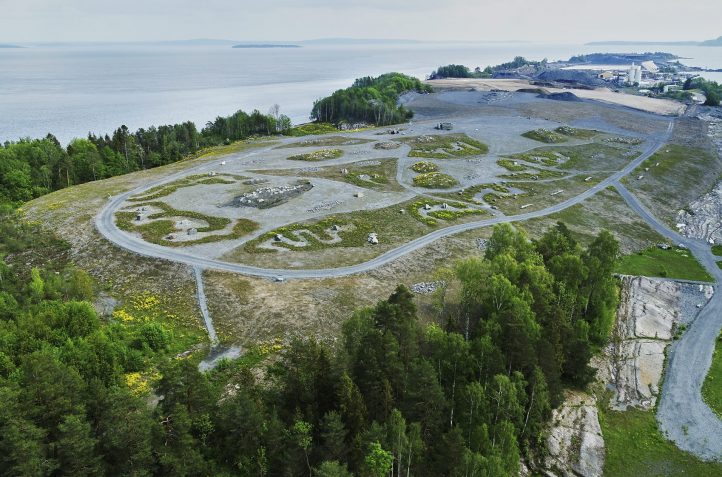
650	312
575	442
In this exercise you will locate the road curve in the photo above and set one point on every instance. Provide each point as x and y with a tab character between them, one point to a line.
105	224
682	414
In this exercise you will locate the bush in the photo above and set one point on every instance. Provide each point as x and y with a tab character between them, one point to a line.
155	336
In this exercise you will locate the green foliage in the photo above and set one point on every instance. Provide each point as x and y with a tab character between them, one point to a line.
369	100
435	180
510	165
448	146
30	168
157	231
320	155
545	135
392	395
424	167
451	71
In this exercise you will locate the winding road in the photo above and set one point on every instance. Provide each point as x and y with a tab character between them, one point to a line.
682	414
105	224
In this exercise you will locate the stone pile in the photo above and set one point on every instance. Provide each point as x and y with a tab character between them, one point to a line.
266	197
325	206
426	288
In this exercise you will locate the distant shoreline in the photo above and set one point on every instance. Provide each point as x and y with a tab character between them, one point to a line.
265	46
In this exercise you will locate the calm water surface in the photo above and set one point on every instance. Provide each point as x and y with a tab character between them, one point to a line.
70	91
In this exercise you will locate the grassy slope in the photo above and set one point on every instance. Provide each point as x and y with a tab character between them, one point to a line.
655	262
636	448
712	387
684	174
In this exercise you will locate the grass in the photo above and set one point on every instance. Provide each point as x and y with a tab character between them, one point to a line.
712	387
533	175
320	155
635	447
394	225
156	231
424	167
655	262
459	210
190	181
575	132
468	194
310	129
683	175
445	146
604	211
326	142
510	165
583	157
378	174
717	250
545	135
435	180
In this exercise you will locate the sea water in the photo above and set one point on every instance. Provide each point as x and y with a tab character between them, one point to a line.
72	90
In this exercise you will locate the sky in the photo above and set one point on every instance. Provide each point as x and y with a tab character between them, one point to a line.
559	21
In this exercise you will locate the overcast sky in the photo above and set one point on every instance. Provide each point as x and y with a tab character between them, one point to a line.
567	21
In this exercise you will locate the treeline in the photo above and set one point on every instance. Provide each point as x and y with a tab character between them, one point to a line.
711	89
30	168
370	100
461	71
469	397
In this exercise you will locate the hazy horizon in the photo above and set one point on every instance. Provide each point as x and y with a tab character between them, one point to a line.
562	21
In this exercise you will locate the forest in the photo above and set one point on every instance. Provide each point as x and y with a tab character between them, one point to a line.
468	394
369	100
30	168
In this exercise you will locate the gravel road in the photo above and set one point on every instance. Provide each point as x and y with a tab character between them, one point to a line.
105	224
682	414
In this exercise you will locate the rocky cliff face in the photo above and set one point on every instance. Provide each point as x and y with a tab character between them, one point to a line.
575	442
650	313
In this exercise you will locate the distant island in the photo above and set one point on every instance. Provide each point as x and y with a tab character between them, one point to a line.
10	46
265	46
716	42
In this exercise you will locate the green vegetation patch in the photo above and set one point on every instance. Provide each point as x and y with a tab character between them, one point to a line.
635	447
583	157
510	165
354	233
575	132
424	167
468	194
445	146
315	128
545	135
326	142
655	262
197	179
712	387
458	211
534	175
378	174
674	177
717	250
320	155
157	231
435	180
